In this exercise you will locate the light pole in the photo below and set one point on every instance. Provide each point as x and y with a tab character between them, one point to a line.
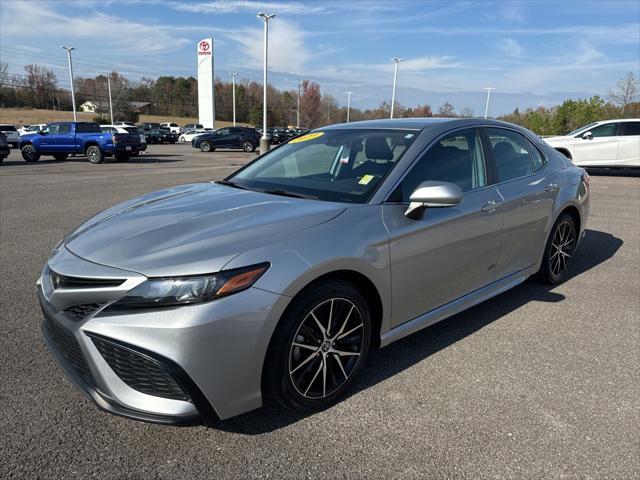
395	60
264	141
233	83
298	111
486	108
348	104
110	104
73	96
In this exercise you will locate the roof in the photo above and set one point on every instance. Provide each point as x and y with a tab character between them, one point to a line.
414	123
139	104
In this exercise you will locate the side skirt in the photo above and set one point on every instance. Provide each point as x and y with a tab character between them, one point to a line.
456	306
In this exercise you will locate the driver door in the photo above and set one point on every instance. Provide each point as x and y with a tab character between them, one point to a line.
451	251
599	149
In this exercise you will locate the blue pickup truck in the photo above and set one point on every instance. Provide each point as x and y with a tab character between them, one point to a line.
62	139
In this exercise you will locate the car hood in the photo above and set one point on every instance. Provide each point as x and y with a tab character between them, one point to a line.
192	229
558	139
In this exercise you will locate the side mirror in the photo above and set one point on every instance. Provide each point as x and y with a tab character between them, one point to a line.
433	194
587	135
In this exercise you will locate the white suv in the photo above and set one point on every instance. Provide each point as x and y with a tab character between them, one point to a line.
610	143
13	137
171	126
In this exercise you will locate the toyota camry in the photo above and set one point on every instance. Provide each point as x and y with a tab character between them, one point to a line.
197	302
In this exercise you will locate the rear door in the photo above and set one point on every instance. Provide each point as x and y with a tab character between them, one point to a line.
601	148
528	193
629	145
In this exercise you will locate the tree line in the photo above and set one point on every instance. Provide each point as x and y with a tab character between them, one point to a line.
38	87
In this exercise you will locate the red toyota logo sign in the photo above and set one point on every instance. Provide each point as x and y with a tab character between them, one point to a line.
203	48
204	45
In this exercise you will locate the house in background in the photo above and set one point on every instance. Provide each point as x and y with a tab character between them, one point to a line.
89	107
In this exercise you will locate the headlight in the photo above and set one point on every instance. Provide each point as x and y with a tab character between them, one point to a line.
161	292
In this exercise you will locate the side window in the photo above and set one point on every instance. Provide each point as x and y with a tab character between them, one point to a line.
457	158
53	129
511	154
538	159
630	129
235	131
64	128
606	130
223	131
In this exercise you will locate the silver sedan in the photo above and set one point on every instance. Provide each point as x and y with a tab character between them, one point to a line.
198	302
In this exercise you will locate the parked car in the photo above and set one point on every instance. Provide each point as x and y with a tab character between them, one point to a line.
150	126
190	135
22	129
229	137
276	135
118	128
4	147
11	132
61	139
31	129
610	143
173	127
197	301
191	126
160	135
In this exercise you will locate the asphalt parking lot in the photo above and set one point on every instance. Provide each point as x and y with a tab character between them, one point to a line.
536	383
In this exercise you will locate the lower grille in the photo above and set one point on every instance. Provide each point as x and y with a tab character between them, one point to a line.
68	346
139	371
78	312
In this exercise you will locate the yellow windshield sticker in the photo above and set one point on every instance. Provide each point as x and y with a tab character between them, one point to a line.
306	138
365	179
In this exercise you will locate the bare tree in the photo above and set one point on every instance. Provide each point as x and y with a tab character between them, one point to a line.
466	112
446	110
626	91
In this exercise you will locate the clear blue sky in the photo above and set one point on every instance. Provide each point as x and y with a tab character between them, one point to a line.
551	48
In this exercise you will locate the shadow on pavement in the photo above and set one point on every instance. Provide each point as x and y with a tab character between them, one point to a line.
596	248
613	172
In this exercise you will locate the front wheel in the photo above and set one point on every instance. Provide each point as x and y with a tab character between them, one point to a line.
559	250
30	154
205	146
247	146
94	154
319	347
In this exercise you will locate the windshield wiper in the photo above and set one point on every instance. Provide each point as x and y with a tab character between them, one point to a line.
285	193
229	183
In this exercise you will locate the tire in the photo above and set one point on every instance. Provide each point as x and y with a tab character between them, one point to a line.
94	154
172	142
247	146
558	251
205	146
29	154
60	156
122	158
309	375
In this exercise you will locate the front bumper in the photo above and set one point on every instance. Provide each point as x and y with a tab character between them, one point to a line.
213	351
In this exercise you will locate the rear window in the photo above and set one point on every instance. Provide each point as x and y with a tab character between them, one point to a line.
88	128
7	128
630	129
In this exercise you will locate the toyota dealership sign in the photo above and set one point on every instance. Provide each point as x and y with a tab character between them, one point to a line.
206	90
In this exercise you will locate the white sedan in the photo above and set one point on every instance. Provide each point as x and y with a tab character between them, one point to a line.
190	135
610	143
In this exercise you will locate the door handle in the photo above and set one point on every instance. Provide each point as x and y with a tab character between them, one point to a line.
552	187
492	206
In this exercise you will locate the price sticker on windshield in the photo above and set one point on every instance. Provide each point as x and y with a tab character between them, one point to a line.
306	138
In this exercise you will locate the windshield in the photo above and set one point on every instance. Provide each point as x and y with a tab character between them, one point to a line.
333	165
578	130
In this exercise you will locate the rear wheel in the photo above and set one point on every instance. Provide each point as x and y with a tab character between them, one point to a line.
559	250
60	156
29	153
319	347
205	146
248	146
94	154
